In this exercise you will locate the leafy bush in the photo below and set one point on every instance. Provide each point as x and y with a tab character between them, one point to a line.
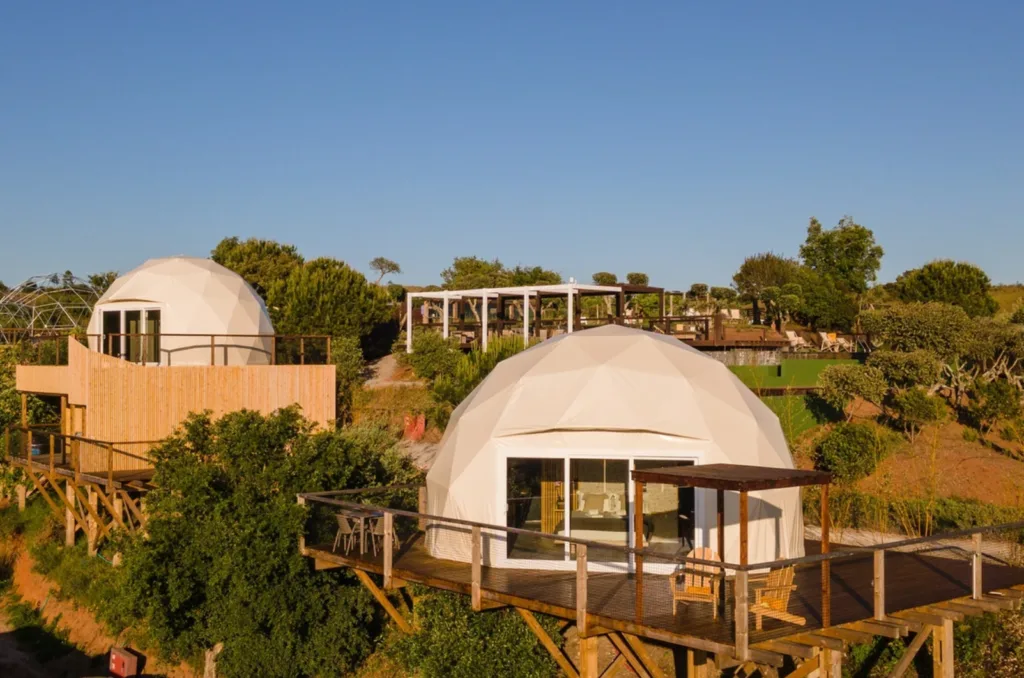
953	282
906	369
452	388
915	409
432	354
970	435
455	642
943	329
221	563
347	356
852	451
1017	317
840	384
993	401
1013	432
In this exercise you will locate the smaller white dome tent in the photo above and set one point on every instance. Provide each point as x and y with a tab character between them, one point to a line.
609	393
192	297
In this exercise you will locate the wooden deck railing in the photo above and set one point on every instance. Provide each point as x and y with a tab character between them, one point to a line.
78	456
925	570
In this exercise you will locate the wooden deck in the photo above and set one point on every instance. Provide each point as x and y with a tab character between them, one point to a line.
913	580
123	480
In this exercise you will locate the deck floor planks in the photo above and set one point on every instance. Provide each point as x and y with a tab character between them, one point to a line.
912	580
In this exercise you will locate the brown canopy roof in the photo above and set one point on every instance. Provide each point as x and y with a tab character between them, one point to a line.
735	477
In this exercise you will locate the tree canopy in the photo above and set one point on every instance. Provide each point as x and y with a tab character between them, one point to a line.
384	266
262	263
761	271
952	282
847	253
103	281
638	279
467	273
605	278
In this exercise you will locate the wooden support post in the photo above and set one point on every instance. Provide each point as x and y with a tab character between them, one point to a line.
556	653
696	663
831	664
909	654
383	600
118	506
302	350
213	350
389	551
70	525
422	507
28	447
477	569
52	446
92	524
742	617
942	650
24	410
110	468
300	500
879	584
633	658
638	542
720	503
22	495
744	499
976	588
826	567
638	648
588	657
65	423
581	590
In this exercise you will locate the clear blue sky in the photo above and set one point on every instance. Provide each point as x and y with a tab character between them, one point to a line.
581	136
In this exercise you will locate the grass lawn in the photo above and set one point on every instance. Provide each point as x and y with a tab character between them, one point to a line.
793	413
1008	296
791	373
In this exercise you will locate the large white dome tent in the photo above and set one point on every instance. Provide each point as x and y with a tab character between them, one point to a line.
547	442
175	305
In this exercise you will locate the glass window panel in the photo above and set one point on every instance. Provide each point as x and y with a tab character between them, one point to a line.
111	333
133	328
668	511
152	336
600	505
535	491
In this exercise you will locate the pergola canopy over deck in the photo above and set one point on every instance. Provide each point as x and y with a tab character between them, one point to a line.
734	477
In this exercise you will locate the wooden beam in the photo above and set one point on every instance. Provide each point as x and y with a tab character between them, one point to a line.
744	500
631	657
115	514
927	618
581	591
319	564
831	664
90	510
389	542
956	606
789	647
476	568
805	669
908	656
616	664
942	650
556	652
383	600
819	640
945	613
742	616
876	629
588	657
879	583
976	588
638	647
130	505
46	495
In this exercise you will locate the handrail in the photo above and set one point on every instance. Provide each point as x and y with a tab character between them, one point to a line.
325	498
94	441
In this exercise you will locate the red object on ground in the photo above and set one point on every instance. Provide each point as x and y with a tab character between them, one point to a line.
415	427
123	663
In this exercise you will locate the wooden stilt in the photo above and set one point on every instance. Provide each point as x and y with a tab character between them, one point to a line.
21	496
942	650
383	600
908	656
70	519
631	657
556	652
638	647
588	657
93	522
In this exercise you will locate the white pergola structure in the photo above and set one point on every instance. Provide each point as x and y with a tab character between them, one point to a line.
570	290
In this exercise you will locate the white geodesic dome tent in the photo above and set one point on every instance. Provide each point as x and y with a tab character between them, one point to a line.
609	393
202	312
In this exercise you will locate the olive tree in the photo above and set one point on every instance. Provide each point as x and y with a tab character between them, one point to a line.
839	384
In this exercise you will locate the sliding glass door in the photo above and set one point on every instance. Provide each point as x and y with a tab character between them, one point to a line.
600	505
669	511
535	494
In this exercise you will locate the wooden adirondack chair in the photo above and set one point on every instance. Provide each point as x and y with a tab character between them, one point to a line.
771	598
696	583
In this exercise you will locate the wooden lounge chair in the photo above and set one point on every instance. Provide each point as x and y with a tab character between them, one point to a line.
696	583
346	536
771	598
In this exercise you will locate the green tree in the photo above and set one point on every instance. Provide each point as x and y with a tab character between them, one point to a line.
951	282
638	279
847	253
724	297
907	369
699	291
384	266
533	275
102	281
262	263
840	384
945	330
851	451
1017	317
326	296
219	562
605	278
761	271
992	402
916	409
468	273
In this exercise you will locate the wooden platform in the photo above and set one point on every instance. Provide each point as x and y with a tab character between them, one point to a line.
913	580
123	480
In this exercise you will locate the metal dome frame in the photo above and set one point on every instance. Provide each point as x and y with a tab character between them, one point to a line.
57	303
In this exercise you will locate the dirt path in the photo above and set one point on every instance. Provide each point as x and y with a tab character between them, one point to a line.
84	632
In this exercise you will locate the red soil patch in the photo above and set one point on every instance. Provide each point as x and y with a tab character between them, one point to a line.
940	463
84	632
